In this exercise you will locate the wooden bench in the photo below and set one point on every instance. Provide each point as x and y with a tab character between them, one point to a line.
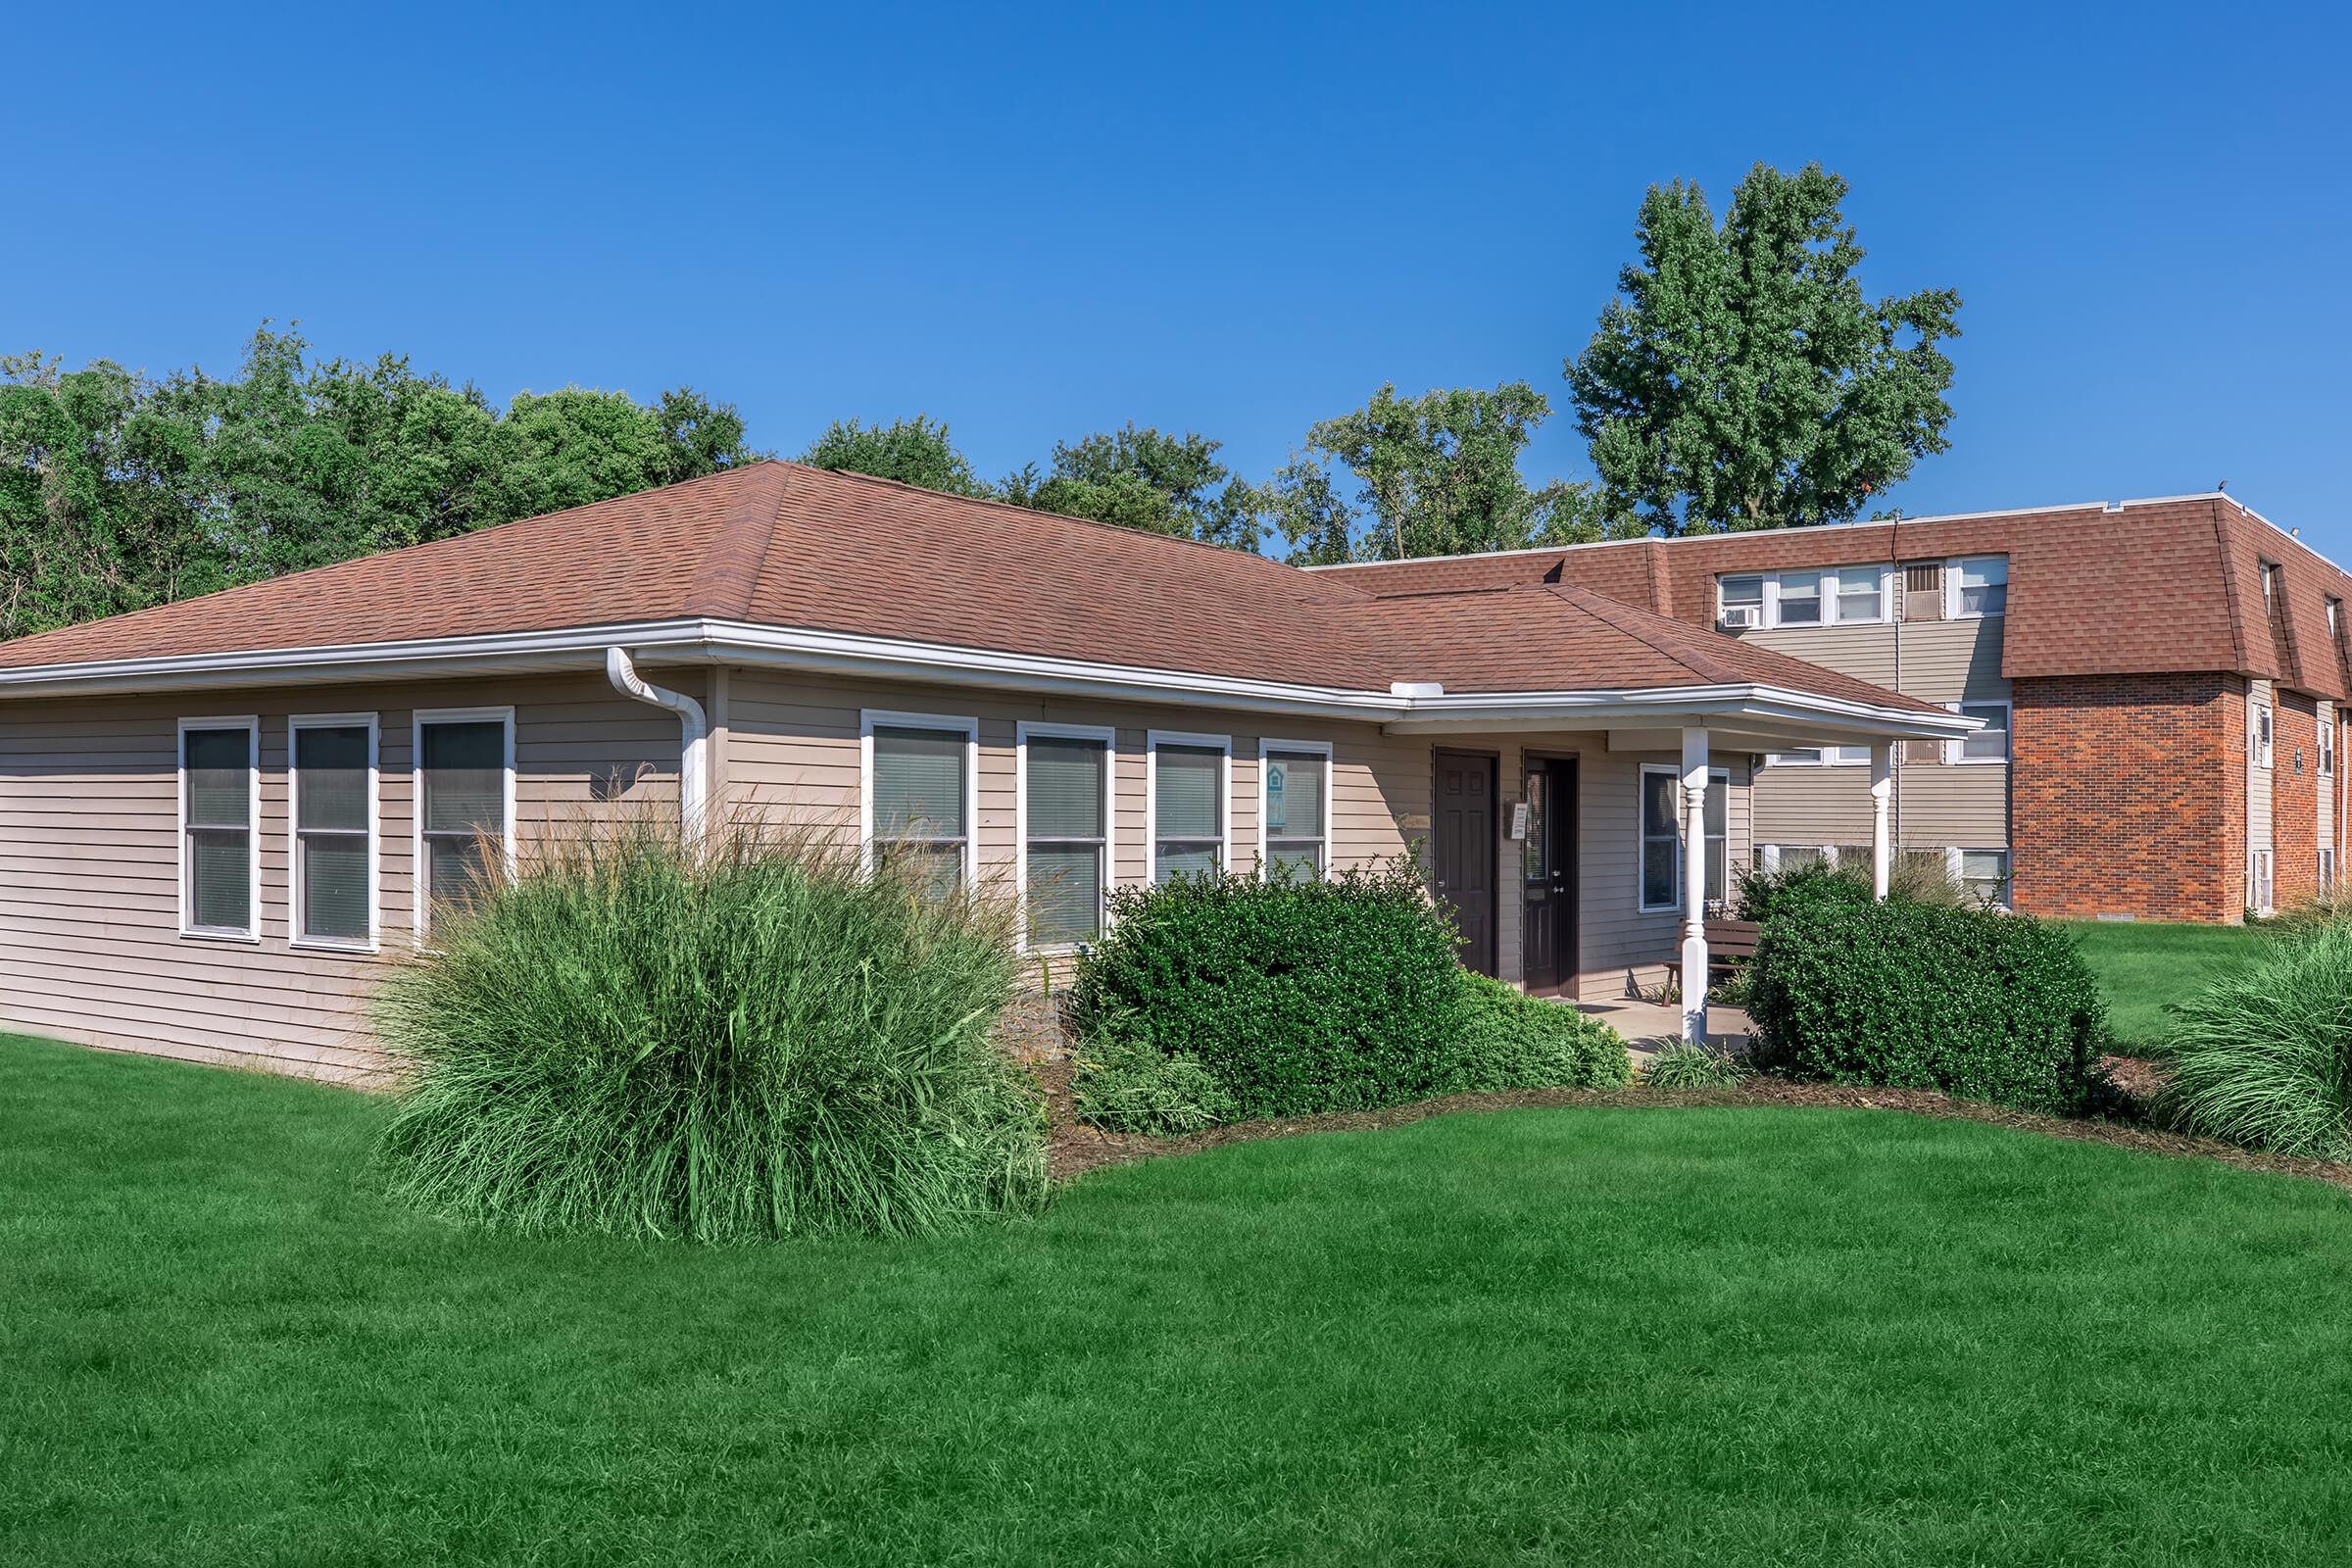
1731	945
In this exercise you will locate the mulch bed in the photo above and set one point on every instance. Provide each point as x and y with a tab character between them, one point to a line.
1074	1149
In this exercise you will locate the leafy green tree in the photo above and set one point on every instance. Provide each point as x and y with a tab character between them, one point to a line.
1438	474
915	450
1740	379
1140	478
117	492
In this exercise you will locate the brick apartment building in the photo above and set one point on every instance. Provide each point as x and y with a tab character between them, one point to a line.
2162	681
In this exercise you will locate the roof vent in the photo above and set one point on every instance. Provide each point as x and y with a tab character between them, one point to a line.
1557	566
2115	506
1416	688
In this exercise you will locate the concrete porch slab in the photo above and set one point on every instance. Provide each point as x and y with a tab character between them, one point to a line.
1651	1026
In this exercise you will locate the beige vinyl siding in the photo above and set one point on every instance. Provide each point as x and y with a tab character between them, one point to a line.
90	949
1937	804
793	753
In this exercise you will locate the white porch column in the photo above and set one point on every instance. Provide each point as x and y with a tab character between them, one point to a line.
1695	886
1882	790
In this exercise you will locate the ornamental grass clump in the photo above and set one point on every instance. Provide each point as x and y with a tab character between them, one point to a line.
2263	1058
738	1039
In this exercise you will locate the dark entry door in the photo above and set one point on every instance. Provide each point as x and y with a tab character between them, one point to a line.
1466	853
1547	874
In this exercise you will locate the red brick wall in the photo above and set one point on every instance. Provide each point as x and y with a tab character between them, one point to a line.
2128	795
2295	800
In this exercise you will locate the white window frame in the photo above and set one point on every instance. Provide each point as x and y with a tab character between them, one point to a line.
1821	757
1154	740
1265	837
295	938
1955	861
1108	736
251	724
2262	887
1951	588
1718	778
1955	749
2326	871
871	718
2262	734
1768	610
419	872
2327	734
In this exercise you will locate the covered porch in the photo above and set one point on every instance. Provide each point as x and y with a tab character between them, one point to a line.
1618	822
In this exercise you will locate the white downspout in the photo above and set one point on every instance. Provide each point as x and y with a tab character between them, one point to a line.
693	734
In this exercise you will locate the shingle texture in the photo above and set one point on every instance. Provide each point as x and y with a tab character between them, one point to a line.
2144	588
783	545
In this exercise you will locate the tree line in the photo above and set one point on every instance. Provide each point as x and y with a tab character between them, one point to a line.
1740	378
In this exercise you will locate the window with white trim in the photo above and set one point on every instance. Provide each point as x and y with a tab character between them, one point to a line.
919	796
331	777
2260	735
2327	734
1820	756
1989	744
1190	775
2260	890
1295	786
1984	874
1976	587
466	801
2327	873
1662	837
220	800
1065	831
1840	596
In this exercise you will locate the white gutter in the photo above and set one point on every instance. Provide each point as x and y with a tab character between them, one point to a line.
743	643
694	762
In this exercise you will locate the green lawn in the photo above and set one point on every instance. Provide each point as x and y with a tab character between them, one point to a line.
2144	964
1704	1337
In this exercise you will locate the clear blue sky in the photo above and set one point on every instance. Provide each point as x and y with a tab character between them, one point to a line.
1239	221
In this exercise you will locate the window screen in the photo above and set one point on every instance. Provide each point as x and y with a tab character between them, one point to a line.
1800	598
1660	845
464	825
1858	595
1985	873
1981	586
217	778
920	792
1188	811
1294	807
1065	784
1992	743
331	774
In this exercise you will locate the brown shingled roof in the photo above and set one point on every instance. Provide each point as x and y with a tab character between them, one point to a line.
2138	588
779	544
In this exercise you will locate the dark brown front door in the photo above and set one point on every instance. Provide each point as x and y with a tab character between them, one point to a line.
1547	874
1466	854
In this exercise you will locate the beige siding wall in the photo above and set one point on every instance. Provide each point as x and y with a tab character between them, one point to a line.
793	752
1937	804
90	949
2260	782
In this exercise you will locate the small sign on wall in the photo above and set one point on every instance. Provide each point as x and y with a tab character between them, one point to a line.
1519	817
1412	822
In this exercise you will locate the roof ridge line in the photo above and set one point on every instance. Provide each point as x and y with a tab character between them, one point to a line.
737	548
1592	603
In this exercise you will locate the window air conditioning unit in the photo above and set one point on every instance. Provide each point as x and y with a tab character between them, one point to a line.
1740	617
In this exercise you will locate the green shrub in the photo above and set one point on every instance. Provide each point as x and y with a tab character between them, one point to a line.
1130	1087
1512	1040
2264	1055
1298	995
745	1039
1919	879
1979	1005
1683	1065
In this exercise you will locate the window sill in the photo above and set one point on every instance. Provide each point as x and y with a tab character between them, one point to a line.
360	950
250	939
